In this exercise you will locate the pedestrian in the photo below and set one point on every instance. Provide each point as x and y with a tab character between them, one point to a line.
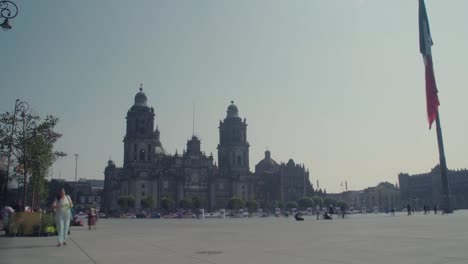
6	213
425	209
408	208
393	211
62	206
435	208
92	216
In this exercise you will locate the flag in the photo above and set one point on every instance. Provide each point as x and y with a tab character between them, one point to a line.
425	43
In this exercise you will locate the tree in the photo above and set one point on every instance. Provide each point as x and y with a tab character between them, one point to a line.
342	205
131	201
32	141
305	202
167	204
125	202
147	202
251	205
280	205
196	203
317	200
291	204
329	201
185	203
235	203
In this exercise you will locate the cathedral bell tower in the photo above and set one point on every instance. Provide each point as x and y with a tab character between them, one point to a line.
233	148
140	140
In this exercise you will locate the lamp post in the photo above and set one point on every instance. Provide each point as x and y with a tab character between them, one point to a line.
25	173
76	174
8	10
23	107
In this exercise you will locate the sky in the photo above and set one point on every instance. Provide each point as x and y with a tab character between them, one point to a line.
335	85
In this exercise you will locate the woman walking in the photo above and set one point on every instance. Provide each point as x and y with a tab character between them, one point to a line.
62	206
92	216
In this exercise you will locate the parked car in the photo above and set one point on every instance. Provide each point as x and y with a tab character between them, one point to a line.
156	215
172	215
213	215
140	215
131	216
77	221
102	215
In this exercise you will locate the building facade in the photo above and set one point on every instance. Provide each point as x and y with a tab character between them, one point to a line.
281	182
426	188
149	172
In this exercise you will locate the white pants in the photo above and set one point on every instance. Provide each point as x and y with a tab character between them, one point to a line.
62	222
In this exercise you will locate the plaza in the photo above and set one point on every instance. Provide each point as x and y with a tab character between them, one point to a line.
370	238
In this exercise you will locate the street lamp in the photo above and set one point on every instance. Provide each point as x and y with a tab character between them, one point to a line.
8	10
76	174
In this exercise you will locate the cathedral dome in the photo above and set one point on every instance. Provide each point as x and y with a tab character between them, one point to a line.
159	150
232	111
267	163
140	98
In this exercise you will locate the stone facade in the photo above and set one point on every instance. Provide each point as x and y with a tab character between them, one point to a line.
426	188
281	182
149	172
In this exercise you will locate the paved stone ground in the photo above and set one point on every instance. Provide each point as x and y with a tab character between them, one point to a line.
359	239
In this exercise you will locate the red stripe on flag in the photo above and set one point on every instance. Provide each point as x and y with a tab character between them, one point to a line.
432	100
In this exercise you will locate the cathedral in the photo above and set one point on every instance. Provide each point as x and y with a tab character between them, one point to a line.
150	172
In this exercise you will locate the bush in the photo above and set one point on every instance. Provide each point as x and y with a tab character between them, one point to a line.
235	203
251	205
305	203
291	205
167	204
185	203
317	200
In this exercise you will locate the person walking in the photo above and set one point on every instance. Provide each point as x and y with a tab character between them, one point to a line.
435	208
92	216
62	206
6	213
408	208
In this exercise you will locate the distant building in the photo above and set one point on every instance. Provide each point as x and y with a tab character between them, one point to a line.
381	198
281	182
426	188
149	172
88	191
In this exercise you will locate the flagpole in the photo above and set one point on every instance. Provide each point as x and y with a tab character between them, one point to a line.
443	169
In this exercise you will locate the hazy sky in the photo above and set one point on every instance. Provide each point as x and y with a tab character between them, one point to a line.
336	85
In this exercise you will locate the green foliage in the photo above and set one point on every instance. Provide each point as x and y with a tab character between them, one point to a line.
48	220
167	204
329	201
185	203
235	203
291	205
317	200
125	202
196	202
280	205
305	202
50	230
251	205
32	144
147	202
342	205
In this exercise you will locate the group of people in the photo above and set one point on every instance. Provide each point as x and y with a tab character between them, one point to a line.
63	208
427	209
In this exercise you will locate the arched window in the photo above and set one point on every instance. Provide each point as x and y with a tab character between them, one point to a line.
142	154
